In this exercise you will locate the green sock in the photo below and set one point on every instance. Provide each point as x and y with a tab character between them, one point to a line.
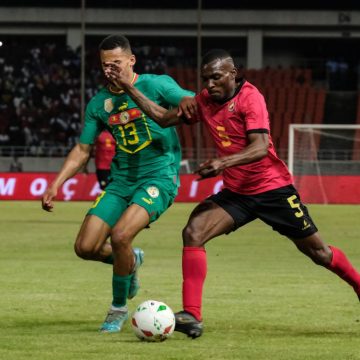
121	285
109	259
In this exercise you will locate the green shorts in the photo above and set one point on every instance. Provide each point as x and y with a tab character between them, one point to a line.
155	195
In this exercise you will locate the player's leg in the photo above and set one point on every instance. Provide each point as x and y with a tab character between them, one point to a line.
283	210
91	243
148	202
208	220
331	258
102	216
218	215
132	221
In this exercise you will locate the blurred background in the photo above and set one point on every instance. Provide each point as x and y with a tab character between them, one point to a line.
303	58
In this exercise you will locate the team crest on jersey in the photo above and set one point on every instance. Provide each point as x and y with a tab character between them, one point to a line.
153	191
231	106
108	105
124	117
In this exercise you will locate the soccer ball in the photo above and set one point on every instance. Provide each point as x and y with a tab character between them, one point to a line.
153	321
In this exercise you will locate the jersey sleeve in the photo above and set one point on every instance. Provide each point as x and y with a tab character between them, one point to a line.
256	114
92	125
169	90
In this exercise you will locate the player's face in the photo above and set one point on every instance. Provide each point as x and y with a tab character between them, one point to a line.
122	58
219	79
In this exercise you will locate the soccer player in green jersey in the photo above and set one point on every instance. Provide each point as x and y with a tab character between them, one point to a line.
144	173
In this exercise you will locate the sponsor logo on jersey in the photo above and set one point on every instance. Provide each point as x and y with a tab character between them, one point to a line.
153	191
108	105
123	106
306	225
124	117
148	201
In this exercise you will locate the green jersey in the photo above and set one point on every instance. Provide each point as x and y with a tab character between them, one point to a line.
142	146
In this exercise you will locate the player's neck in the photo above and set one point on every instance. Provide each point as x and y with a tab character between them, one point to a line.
235	91
116	90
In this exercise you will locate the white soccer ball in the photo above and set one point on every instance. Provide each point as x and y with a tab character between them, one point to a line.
153	321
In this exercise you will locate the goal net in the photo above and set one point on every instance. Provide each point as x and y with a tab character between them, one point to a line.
325	160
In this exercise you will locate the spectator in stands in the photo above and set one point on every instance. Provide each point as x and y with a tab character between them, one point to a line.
42	82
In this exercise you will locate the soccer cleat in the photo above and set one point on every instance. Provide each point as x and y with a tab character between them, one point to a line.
134	284
114	321
187	324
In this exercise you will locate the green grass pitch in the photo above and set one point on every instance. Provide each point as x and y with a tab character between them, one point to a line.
263	300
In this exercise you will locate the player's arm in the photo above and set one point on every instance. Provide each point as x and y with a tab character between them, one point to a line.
257	148
76	159
186	110
162	116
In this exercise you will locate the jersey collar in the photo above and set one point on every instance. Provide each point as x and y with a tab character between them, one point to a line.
241	83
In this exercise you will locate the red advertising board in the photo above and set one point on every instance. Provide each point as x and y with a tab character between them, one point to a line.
31	186
313	189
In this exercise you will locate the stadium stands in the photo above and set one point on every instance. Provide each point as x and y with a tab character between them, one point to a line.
40	96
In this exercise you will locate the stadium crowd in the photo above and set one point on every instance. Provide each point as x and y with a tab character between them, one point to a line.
40	89
40	96
40	92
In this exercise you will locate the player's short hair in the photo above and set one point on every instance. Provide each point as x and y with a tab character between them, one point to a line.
115	41
215	54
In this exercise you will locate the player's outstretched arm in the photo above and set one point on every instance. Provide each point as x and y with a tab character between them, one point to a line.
76	159
160	115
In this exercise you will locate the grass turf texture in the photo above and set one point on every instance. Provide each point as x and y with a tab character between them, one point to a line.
263	299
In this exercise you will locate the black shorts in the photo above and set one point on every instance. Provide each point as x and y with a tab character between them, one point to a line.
281	208
103	177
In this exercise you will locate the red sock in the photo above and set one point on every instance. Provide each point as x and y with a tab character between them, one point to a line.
194	273
342	267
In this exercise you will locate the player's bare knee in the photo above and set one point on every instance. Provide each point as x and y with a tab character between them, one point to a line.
84	251
119	239
192	237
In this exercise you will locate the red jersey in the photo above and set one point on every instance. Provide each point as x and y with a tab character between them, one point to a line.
104	150
229	123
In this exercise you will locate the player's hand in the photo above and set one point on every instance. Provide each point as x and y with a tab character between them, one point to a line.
187	107
47	199
209	168
115	74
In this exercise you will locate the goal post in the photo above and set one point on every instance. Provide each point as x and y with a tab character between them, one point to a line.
320	156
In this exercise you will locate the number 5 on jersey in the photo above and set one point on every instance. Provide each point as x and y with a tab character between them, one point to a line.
295	205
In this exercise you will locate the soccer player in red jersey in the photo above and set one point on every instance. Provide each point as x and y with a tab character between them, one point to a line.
104	153
257	184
